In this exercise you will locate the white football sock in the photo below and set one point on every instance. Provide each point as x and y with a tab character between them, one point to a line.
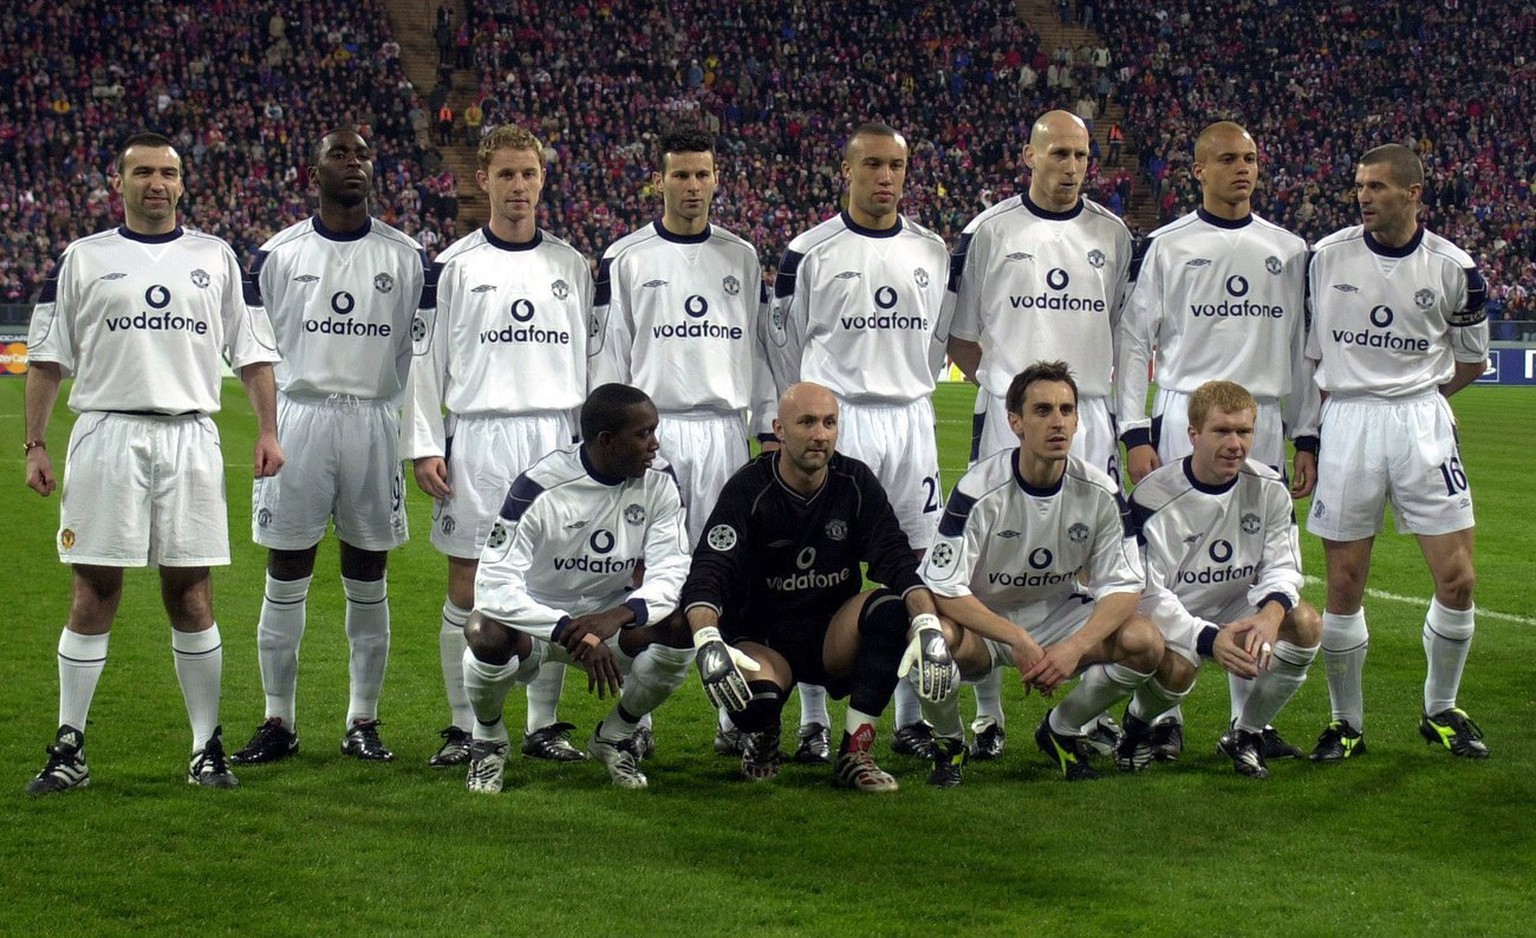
199	660
81	660
1345	641
368	640
1447	639
450	648
279	631
1274	688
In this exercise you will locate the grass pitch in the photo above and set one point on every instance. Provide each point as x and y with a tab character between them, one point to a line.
1405	841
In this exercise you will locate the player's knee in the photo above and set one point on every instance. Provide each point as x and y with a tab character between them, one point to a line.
1454	587
763	710
492	642
360	564
1140	644
1303	626
291	564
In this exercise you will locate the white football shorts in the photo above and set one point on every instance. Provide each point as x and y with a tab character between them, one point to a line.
343	462
485	454
898	444
144	489
1046	624
704	449
1375	452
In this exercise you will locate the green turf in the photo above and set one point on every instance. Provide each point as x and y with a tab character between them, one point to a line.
1405	841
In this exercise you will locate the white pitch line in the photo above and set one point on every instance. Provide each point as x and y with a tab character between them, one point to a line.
1482	613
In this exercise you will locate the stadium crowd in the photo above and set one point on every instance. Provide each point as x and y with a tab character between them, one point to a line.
239	83
241	86
1449	79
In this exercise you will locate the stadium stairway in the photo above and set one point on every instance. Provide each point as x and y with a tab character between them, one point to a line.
1043	18
413	22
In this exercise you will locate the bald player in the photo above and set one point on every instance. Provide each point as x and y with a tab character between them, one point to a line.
1219	295
1040	277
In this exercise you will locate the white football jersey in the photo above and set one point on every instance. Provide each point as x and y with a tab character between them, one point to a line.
1011	545
506	333
684	319
1031	285
862	311
142	320
341	305
1393	322
567	544
1215	300
1207	547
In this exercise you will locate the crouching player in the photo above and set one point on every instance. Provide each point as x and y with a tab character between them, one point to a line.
553	584
1035	565
775	592
1223	574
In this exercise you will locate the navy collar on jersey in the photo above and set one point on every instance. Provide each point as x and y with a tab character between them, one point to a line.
1222	489
495	242
1049	215
331	234
166	238
666	235
1045	492
595	474
1381	249
1220	222
859	229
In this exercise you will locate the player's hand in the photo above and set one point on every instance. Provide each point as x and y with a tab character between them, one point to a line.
1303	474
1140	461
720	668
1231	652
1055	667
269	456
928	653
600	625
602	667
1026	654
40	471
432	476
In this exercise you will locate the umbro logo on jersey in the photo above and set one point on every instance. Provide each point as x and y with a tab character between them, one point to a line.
1008	534
306	278
1198	262
1346	288
484	288
654	283
115	275
782	542
848	275
1020	256
576	525
1194	538
200	278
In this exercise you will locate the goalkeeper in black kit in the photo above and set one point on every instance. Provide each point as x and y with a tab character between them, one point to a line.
775	594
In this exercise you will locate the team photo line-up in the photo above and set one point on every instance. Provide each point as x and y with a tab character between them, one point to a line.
587	443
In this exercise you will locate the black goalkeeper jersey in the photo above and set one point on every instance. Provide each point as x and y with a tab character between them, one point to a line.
771	559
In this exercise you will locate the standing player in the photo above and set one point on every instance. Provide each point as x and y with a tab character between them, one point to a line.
777	575
680	304
1036	566
859	307
1397	327
554	582
1223	580
140	316
504	350
1219	294
341	289
1040	277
